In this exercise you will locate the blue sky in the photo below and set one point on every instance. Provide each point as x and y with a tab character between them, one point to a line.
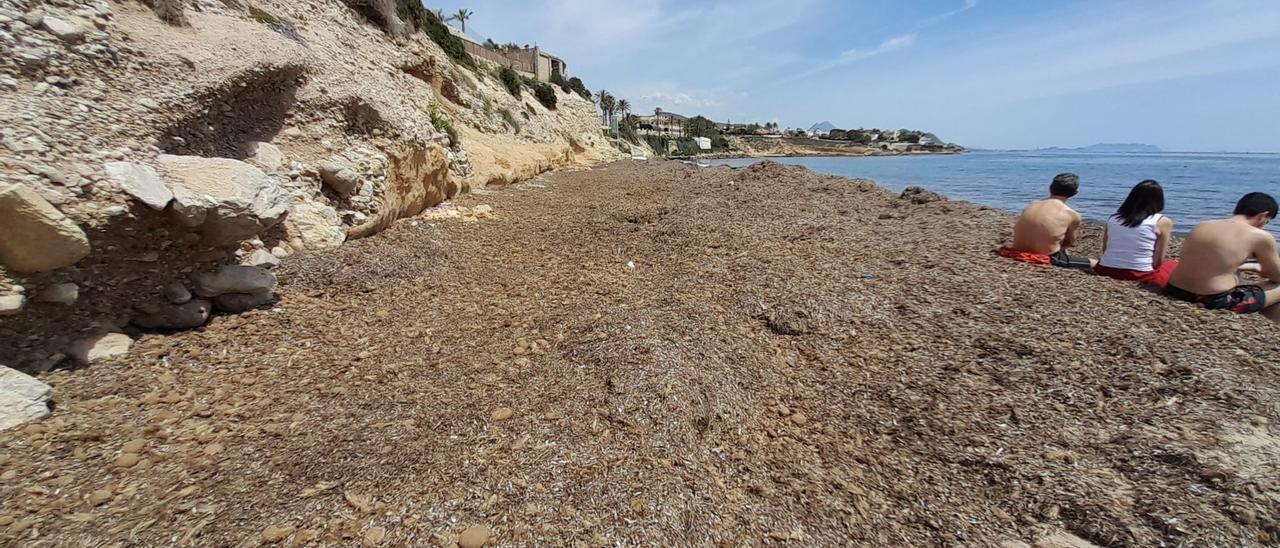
1194	75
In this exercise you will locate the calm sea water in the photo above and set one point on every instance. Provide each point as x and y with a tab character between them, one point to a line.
1197	186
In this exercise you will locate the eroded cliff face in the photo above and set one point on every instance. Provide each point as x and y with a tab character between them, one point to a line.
254	131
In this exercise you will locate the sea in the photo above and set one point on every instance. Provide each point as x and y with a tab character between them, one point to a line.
1197	186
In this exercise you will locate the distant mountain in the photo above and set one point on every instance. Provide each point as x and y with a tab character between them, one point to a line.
1108	148
822	126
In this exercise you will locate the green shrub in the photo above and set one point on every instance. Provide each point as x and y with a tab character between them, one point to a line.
545	94
413	13
576	85
442	123
510	79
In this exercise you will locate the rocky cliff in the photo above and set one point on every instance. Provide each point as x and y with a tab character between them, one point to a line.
137	154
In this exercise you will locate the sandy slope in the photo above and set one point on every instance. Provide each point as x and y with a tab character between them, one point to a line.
654	354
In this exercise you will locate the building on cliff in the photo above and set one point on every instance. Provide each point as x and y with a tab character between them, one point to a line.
529	62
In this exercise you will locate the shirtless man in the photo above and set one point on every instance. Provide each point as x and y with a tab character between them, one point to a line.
1047	227
1216	250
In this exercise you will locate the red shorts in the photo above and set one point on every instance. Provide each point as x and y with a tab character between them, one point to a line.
1159	276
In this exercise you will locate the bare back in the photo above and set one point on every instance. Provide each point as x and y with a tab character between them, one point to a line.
1045	226
1214	251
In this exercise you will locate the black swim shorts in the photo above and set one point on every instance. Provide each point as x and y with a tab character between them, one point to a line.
1063	260
1244	299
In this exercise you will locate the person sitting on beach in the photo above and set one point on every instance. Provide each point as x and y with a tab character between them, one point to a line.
1046	228
1136	237
1216	251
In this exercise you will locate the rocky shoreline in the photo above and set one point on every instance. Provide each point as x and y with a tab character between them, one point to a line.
656	353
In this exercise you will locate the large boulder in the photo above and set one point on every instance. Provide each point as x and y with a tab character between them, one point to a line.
22	398
226	200
141	182
36	236
312	225
234	279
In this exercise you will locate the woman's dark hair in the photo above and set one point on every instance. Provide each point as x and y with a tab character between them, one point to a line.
1146	199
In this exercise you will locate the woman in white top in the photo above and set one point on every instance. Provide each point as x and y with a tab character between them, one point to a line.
1136	238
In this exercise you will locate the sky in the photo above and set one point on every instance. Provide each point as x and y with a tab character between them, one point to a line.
1184	75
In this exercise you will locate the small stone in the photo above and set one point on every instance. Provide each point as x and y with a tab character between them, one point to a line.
235	303
100	346
64	294
65	31
502	414
189	315
213	449
134	446
140	181
262	258
339	176
475	536
234	279
22	398
277	533
127	460
799	419
175	293
11	304
99	497
374	536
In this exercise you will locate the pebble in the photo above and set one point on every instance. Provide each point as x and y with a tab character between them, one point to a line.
475	536
127	460
799	419
134	446
277	533
176	293
11	304
502	414
99	497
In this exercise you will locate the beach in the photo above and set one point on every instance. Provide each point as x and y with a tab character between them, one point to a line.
653	353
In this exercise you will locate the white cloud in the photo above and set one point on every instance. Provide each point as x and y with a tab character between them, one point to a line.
679	100
892	44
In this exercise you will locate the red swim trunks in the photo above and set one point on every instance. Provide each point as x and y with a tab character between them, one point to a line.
1158	277
1024	256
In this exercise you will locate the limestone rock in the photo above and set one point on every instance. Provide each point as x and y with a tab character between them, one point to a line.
12	304
266	156
919	195
100	346
262	258
66	31
37	237
340	176
66	294
190	314
234	279
235	303
312	225
22	398
141	182
228	200
1063	539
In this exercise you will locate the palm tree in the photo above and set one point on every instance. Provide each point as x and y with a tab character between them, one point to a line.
607	104
462	17
624	107
657	118
440	15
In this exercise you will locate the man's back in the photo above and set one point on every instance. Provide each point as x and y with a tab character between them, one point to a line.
1212	253
1045	226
